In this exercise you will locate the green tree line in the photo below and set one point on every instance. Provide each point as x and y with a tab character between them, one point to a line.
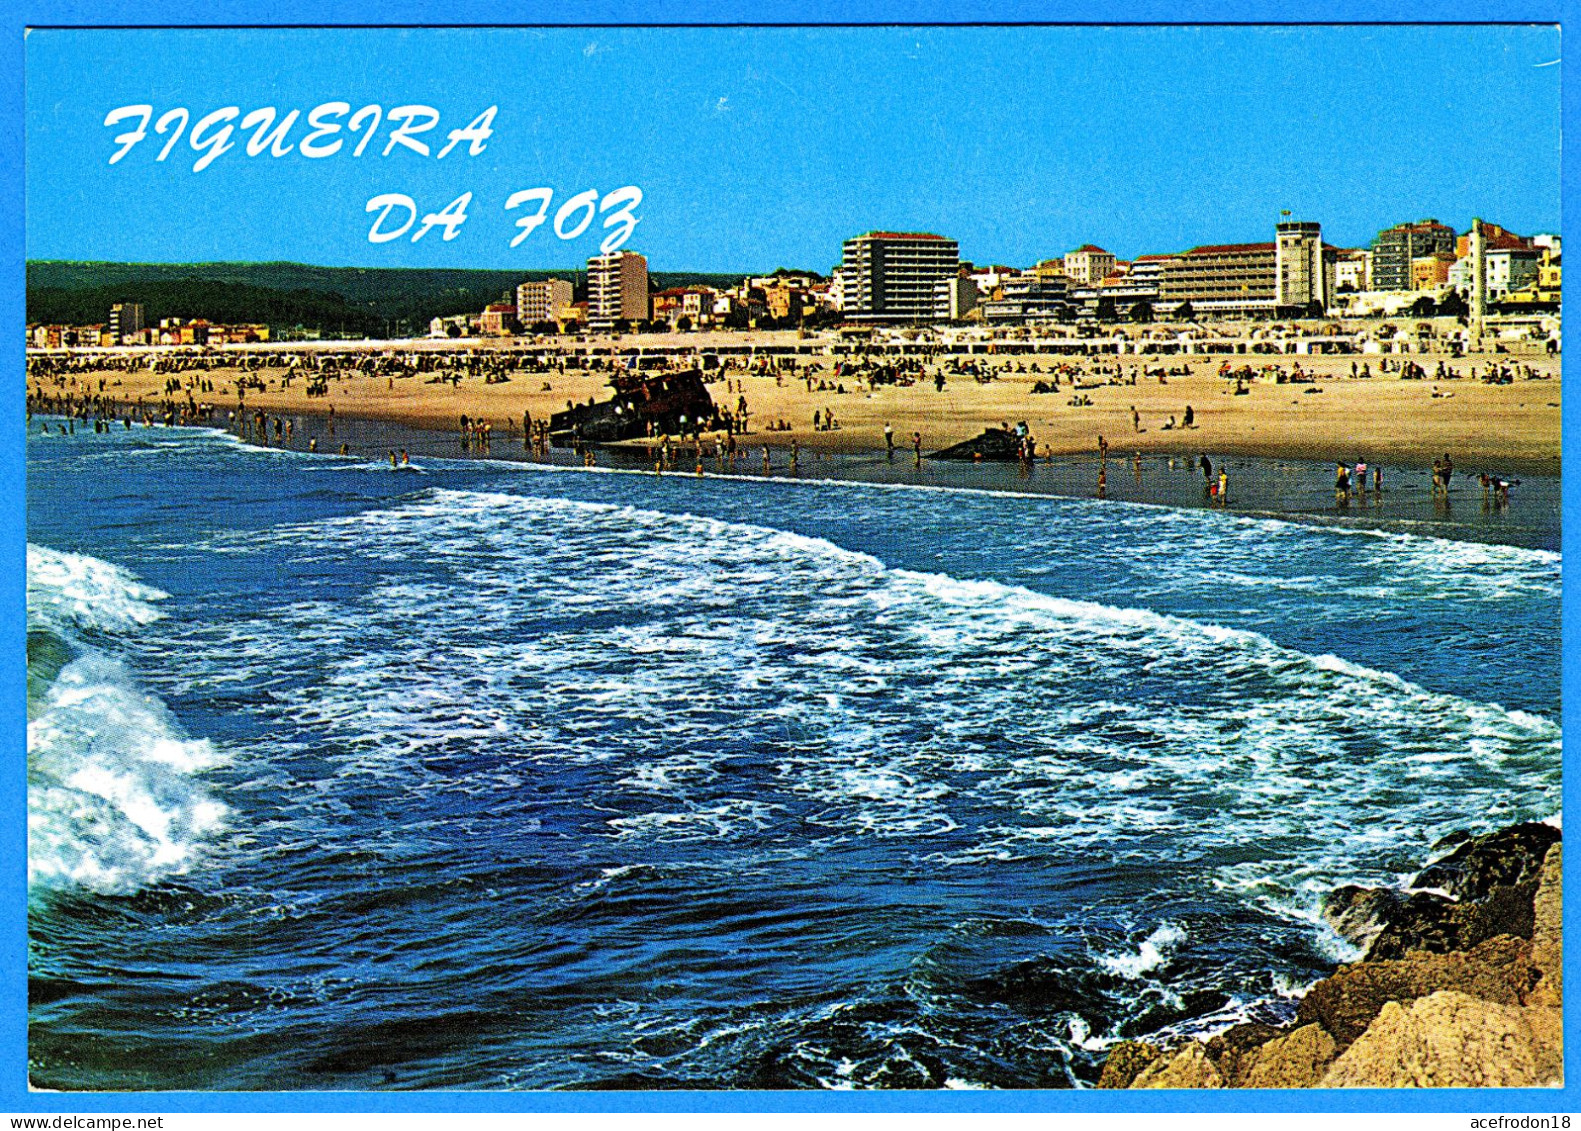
362	300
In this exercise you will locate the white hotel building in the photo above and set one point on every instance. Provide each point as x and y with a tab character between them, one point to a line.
891	276
617	288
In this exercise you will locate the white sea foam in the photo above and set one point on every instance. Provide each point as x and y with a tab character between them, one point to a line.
899	702
77	591
113	797
1151	953
115	800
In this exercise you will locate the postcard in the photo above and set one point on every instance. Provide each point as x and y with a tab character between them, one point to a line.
778	560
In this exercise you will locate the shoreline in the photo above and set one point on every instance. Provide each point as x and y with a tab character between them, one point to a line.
1289	489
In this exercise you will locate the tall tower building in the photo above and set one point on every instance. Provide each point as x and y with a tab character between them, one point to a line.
1300	277
1477	250
617	287
890	276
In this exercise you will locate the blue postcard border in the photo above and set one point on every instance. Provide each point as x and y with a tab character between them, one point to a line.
14	1095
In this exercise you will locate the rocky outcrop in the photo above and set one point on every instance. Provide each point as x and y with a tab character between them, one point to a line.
1483	888
1125	1063
998	445
1497	970
1547	960
1187	1068
1231	1049
1298	1060
1448	1040
1461	986
1511	857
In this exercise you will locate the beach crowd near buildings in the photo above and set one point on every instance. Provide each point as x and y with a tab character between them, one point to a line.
903	337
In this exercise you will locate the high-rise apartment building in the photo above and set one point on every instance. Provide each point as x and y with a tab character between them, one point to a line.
954	298
1394	249
543	300
617	288
1234	278
126	319
890	276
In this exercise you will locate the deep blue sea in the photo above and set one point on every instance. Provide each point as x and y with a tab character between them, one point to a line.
488	776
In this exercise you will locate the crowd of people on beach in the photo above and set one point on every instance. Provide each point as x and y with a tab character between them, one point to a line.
90	390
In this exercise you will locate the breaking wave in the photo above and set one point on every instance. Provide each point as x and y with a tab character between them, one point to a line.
114	795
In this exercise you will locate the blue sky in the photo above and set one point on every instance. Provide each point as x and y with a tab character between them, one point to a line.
757	148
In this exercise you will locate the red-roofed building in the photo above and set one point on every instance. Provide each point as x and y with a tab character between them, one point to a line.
694	303
1496	239
1088	263
497	318
1297	271
902	236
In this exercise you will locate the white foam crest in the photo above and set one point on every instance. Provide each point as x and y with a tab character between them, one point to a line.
77	590
114	797
1151	953
720	821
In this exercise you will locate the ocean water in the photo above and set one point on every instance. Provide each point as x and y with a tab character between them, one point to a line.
483	776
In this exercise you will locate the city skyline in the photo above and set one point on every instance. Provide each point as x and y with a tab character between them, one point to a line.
825	270
769	147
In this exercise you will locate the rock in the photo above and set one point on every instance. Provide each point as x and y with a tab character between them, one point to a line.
1422	921
1346	1003
1126	1061
1228	1049
1445	1040
1509	857
1547	914
1448	841
1358	915
1298	1060
1188	1068
1487	884
1457	990
1547	1024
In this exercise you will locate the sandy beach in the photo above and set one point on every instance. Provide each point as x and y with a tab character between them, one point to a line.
1511	428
